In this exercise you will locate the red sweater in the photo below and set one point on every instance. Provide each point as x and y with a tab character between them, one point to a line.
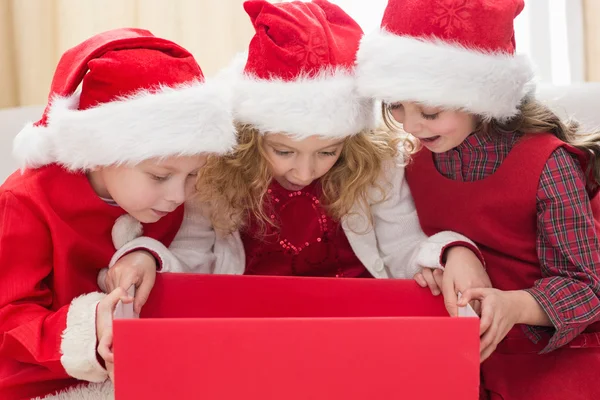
55	235
304	242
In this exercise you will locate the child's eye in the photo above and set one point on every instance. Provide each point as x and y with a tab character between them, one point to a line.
395	106
329	153
282	153
430	116
159	178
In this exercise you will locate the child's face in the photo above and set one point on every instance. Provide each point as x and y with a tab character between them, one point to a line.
437	129
151	189
297	163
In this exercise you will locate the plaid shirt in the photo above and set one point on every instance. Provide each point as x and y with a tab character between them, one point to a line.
567	242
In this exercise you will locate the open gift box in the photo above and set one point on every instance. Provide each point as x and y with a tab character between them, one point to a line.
242	337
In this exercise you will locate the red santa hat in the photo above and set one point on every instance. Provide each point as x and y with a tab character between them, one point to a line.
450	53
141	97
298	75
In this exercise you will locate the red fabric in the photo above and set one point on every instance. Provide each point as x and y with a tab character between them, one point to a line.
457	22
562	374
297	38
309	243
500	214
55	236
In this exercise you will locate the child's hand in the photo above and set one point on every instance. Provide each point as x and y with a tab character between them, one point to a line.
463	271
431	277
137	268
104	322
500	311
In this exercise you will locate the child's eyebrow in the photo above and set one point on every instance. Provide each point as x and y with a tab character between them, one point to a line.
270	143
332	145
165	167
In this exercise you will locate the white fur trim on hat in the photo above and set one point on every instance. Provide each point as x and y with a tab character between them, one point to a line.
186	120
87	391
326	105
397	68
78	345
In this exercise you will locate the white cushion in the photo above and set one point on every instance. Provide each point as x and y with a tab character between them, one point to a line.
580	101
12	120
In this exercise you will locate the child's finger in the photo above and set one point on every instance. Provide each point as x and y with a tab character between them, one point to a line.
105	347
485	322
450	297
102	277
488	352
428	275
420	280
107	304
438	276
110	368
472	294
487	336
127	280
487	345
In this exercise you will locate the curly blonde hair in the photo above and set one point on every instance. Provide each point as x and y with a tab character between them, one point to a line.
235	186
533	117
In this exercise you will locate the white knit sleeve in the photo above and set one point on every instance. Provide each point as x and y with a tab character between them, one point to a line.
191	250
404	247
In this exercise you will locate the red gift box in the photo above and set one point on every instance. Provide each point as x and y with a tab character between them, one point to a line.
221	337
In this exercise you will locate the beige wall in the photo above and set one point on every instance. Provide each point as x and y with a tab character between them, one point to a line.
591	13
34	34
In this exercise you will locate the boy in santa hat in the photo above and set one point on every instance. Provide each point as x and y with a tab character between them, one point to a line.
128	144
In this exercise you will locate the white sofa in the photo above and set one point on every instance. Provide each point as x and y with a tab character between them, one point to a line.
580	101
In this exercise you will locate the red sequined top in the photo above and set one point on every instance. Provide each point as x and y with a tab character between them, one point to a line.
303	242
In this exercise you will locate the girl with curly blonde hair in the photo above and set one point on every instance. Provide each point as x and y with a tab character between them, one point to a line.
310	189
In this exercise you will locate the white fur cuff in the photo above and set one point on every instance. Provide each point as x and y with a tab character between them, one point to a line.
90	391
78	345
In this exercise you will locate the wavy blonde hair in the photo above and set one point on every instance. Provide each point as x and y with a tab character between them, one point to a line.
235	186
533	117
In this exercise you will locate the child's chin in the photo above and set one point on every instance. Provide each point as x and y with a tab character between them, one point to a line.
148	217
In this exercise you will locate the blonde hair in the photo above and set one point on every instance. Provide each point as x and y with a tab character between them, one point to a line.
535	117
235	186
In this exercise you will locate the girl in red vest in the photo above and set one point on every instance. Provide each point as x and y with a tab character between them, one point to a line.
128	144
499	167
309	190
